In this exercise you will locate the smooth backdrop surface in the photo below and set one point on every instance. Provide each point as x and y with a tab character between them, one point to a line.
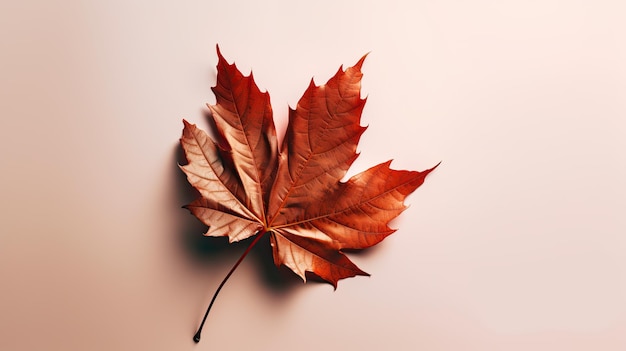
516	242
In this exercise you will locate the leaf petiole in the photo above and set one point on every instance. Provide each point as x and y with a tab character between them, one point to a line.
196	337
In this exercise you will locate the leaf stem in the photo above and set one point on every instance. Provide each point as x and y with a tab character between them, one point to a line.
196	337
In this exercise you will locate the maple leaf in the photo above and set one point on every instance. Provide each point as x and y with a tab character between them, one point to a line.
248	187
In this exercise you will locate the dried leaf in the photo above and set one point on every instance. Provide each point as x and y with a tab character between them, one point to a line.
296	196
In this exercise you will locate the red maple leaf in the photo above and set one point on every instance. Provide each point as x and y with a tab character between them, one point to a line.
248	187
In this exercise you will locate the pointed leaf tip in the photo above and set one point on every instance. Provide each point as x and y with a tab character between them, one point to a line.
359	63
433	168
219	52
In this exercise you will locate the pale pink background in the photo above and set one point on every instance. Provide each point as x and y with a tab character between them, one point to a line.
516	242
